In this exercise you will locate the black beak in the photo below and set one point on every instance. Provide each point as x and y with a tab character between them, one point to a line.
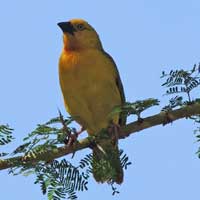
67	27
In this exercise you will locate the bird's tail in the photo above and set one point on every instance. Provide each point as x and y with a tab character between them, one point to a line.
106	163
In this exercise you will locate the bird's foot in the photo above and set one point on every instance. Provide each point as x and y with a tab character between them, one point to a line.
72	138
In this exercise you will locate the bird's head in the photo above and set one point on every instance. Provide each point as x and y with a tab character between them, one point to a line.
79	35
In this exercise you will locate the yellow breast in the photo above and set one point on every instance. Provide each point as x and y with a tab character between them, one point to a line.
88	83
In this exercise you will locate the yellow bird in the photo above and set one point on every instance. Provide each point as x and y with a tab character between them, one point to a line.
91	88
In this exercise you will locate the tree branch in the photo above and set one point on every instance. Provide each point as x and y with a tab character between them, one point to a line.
158	119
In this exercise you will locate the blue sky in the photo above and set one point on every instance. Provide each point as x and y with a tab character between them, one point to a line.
144	37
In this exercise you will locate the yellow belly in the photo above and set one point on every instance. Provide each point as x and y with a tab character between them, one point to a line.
88	83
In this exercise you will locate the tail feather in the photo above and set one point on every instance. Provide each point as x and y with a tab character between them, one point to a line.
106	163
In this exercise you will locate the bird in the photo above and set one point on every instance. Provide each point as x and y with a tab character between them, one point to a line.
91	87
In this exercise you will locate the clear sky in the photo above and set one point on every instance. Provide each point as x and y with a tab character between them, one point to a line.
144	37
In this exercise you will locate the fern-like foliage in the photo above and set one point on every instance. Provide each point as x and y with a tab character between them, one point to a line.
5	137
45	137
135	108
56	178
197	131
174	102
2	154
60	178
5	134
182	81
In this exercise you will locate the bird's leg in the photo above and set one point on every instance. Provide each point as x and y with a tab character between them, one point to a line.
114	130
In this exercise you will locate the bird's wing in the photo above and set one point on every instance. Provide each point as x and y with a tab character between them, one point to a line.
122	119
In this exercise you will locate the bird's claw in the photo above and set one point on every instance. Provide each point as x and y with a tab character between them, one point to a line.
72	138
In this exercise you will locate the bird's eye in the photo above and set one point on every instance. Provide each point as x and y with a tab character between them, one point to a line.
80	27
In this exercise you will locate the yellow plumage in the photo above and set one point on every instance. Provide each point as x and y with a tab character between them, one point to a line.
89	79
89	88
